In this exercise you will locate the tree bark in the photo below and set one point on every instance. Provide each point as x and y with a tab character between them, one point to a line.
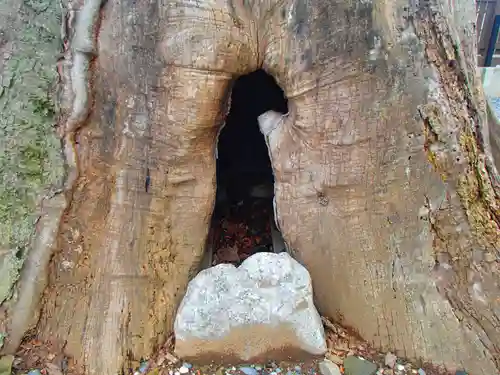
385	185
31	162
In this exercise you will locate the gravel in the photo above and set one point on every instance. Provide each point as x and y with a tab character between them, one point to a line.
347	355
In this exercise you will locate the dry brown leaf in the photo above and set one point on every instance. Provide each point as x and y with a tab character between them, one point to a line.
171	358
328	324
53	369
228	254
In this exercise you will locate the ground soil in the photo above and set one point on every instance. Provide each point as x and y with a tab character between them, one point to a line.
341	343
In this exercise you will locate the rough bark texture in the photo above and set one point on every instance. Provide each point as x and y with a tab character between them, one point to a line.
31	162
384	185
30	156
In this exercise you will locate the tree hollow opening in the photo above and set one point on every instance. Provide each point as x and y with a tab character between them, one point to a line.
243	220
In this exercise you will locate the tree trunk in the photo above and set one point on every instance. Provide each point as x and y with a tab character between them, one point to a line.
385	185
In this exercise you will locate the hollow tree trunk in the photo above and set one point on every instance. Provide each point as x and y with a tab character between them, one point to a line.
385	186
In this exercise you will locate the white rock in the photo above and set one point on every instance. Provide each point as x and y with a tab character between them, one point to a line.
390	360
327	367
245	312
183	370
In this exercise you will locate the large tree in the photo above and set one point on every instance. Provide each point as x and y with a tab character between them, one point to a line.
386	188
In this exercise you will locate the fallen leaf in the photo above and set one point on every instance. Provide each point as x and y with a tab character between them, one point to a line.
328	324
228	254
171	358
53	369
160	360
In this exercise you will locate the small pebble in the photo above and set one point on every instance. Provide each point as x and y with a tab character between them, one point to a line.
187	365
390	360
421	371
327	367
143	367
356	366
400	367
183	370
248	370
278	370
64	365
6	364
177	373
35	372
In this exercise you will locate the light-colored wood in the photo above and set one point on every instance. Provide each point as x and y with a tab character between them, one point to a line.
384	186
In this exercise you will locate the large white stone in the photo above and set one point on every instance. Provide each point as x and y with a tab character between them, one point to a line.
264	306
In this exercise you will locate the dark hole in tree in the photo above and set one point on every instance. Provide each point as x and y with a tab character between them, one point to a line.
243	219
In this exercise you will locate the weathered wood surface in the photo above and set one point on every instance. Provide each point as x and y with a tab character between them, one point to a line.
382	185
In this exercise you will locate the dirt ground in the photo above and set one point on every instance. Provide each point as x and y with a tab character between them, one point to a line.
341	342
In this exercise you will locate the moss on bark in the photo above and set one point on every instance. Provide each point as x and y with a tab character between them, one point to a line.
30	152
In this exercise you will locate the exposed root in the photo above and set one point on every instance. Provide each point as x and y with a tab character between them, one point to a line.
34	277
84	37
83	48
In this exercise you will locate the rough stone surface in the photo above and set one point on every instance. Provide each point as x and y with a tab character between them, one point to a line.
6	364
327	367
262	306
390	360
358	366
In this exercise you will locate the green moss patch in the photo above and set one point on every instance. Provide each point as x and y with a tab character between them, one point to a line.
30	153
